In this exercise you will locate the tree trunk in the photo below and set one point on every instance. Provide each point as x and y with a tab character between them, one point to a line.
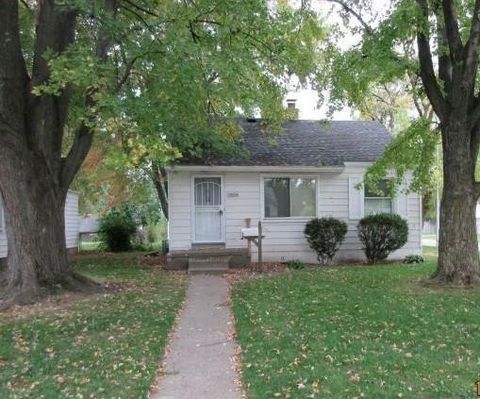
35	173
159	177
458	261
426	197
34	203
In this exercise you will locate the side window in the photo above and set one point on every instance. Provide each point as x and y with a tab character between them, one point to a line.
378	200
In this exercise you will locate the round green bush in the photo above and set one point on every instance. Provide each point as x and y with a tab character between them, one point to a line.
411	259
382	234
116	230
295	264
325	235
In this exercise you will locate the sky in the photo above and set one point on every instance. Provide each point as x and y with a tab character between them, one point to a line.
307	104
307	99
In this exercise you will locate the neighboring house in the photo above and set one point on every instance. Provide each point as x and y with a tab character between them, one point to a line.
72	222
89	225
311	169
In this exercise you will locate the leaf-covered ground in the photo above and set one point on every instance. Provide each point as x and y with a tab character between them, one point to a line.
357	332
106	346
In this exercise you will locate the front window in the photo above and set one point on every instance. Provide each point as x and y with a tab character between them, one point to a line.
289	197
378	200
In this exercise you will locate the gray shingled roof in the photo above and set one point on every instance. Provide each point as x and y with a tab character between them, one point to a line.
308	143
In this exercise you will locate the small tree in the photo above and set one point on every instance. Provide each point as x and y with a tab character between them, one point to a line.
382	234
325	235
116	230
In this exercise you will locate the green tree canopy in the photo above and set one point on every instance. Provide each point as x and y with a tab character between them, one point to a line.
212	62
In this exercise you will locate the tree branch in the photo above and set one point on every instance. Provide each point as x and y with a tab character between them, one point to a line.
471	47
452	31
141	19
84	135
140	8
79	150
129	67
357	16
159	177
27	6
13	73
427	72
12	62
475	112
477	189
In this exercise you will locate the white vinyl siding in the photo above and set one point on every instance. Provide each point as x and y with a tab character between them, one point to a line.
72	224
355	198
284	238
72	220
180	212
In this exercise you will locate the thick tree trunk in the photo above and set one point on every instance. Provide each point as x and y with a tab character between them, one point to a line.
37	260
34	173
458	261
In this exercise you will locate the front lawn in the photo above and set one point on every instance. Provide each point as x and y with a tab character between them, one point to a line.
104	346
357	332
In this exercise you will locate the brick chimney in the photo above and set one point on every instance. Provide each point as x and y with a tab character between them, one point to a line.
292	109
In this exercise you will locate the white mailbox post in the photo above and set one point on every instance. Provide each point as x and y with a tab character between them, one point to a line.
255	235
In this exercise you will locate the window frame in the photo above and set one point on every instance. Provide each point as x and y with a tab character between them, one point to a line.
288	218
389	197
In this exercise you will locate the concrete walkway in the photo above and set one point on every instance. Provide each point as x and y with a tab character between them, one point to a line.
429	242
199	364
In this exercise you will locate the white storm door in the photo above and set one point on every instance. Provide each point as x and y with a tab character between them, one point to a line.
208	209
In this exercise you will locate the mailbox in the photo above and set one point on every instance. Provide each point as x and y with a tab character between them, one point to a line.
249	232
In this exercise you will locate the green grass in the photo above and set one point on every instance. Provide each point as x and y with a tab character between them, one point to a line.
107	346
86	246
97	246
430	253
353	332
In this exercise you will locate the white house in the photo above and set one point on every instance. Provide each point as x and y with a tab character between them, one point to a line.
72	223
311	169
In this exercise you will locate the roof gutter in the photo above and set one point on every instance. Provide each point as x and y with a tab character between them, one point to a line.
265	168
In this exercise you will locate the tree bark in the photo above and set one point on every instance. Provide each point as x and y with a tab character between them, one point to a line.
34	175
458	261
426	197
37	260
160	181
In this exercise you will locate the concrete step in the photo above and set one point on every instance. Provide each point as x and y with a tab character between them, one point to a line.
180	259
207	264
208	271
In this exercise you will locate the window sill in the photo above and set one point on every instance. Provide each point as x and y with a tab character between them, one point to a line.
288	219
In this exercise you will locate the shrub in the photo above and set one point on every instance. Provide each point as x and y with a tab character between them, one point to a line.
325	235
413	259
295	264
117	229
382	234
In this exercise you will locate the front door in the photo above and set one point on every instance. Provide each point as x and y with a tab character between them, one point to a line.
208	209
